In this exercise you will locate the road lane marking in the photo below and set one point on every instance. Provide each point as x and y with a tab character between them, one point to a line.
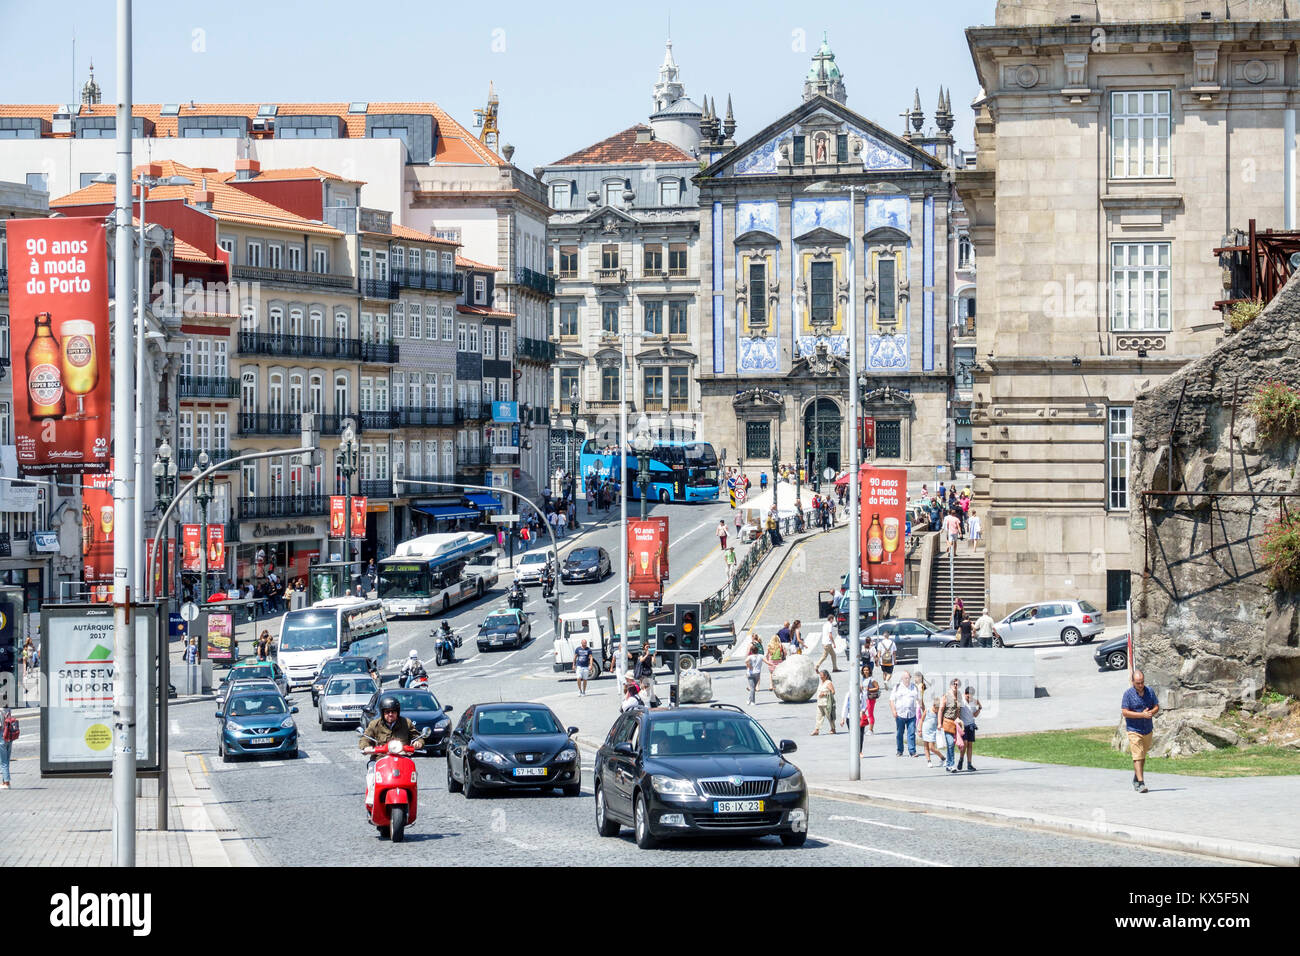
519	843
175	726
874	823
773	588
872	849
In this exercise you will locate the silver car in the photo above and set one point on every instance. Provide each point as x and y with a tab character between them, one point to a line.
1071	622
531	565
344	698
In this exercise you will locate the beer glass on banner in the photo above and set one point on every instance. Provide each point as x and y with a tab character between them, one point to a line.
80	368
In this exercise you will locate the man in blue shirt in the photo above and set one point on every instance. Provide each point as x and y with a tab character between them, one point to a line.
1138	708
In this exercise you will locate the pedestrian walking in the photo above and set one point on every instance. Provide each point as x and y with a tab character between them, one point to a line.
582	656
949	717
828	643
970	709
190	653
966	629
886	652
8	737
263	642
872	694
27	655
902	704
973	530
740	522
762	481
984	629
1138	708
825	703
783	635
775	655
958	613
754	666
730	559
797	644
951	532
929	736
721	532
868	656
645	673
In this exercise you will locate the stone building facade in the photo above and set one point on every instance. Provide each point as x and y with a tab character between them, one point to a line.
1116	144
783	267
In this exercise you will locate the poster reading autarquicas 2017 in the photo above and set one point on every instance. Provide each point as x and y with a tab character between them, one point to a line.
58	320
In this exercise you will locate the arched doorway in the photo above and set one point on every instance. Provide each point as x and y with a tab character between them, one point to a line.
822	422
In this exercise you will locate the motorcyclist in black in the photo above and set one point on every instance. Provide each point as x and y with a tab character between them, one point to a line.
548	580
445	641
515	597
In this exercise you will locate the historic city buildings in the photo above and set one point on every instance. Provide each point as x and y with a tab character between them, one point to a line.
1118	143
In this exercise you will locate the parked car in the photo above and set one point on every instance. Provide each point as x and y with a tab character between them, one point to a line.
257	721
343	664
509	628
586	564
422	708
344	698
1113	655
1071	622
911	634
530	566
692	771
509	746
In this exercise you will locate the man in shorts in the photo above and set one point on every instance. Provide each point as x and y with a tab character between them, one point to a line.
1138	708
885	651
582	665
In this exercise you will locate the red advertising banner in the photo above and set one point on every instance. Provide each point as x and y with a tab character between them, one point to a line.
883	523
338	515
358	517
192	545
58	327
647	559
158	583
216	547
866	432
97	536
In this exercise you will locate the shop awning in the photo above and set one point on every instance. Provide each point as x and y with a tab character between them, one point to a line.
449	513
484	501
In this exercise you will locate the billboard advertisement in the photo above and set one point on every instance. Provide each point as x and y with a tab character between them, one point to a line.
647	559
338	515
358	517
883	525
97	537
152	548
77	666
216	547
191	548
58	321
221	634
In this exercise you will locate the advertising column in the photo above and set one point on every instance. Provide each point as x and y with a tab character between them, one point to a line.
97	536
884	502
647	558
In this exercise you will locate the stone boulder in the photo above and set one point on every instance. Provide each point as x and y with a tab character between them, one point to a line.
795	679
695	687
1183	734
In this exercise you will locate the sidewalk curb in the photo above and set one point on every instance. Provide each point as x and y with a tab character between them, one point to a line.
1138	836
206	822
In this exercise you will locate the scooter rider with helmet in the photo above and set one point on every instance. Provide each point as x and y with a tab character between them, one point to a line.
412	668
389	725
445	643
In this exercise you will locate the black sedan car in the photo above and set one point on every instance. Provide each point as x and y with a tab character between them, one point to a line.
424	711
508	746
1113	655
911	634
694	771
342	664
509	628
586	564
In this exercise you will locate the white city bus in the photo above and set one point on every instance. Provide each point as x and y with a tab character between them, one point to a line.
342	625
427	575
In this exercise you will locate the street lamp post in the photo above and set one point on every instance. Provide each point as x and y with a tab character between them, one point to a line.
164	483
346	460
204	494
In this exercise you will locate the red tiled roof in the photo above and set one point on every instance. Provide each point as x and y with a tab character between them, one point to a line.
289	175
471	264
624	148
406	232
484	311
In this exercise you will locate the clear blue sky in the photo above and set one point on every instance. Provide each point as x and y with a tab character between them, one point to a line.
568	74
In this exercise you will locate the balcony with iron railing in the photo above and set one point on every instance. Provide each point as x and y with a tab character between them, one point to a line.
472	457
376	488
207	386
293	278
471	411
377	288
377	421
282	506
380	352
536	281
290	423
299	346
536	350
425	417
433	280
187	458
4	280
416	490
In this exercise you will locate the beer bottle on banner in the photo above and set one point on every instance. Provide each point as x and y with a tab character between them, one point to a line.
44	373
875	541
87	529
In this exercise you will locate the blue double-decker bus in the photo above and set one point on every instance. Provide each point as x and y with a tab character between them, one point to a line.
679	470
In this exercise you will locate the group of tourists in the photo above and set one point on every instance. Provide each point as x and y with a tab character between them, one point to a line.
948	512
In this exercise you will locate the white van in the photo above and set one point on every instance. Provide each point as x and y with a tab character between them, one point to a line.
342	625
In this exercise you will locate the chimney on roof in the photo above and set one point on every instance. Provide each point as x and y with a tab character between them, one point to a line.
247	169
201	198
644	135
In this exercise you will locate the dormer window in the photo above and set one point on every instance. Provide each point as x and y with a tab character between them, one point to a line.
560	193
614	194
670	191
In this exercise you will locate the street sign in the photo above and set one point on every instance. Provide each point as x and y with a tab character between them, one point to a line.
503	519
189	610
829	474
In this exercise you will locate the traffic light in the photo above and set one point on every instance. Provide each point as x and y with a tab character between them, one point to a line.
686	620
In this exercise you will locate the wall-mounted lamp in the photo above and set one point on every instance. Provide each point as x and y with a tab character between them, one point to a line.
1076	361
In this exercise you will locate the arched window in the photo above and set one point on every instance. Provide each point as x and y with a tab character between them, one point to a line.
341	324
275	394
341	394
316	323
316	394
965	252
248	319
248	391
275	320
295	393
295	321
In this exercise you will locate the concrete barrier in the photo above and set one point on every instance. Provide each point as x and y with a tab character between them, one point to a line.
996	673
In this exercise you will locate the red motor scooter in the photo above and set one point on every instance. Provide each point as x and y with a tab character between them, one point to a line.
391	793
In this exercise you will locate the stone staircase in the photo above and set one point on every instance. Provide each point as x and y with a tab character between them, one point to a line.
968	584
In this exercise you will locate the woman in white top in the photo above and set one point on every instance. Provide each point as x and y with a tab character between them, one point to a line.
973	530
970	709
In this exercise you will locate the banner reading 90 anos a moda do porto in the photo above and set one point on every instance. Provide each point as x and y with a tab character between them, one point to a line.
58	320
77	668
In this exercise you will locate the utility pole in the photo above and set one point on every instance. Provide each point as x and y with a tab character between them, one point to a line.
124	751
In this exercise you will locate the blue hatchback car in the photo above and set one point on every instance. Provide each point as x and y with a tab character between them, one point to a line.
256	722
